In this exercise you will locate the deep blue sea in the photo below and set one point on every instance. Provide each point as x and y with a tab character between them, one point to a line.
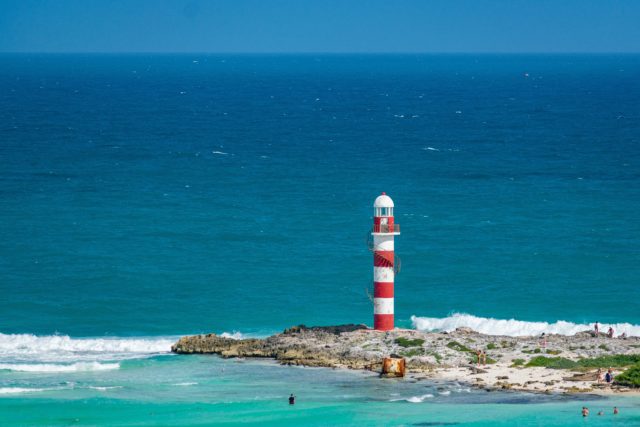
147	196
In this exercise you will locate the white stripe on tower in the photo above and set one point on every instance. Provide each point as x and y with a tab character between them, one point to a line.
383	306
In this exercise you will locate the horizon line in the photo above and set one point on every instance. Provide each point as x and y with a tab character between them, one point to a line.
152	52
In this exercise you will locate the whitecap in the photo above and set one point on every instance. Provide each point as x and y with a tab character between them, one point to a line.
17	390
185	384
104	388
233	335
418	399
49	367
222	153
28	348
513	327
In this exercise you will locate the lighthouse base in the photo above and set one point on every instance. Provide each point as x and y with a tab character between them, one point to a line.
383	322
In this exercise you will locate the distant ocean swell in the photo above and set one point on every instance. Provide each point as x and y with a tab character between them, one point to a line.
514	327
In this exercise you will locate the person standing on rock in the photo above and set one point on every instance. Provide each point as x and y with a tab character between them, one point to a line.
292	399
596	329
608	377
599	375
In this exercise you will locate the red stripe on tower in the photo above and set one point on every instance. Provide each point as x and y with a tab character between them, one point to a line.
384	230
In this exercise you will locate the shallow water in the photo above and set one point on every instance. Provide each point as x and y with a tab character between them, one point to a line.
195	390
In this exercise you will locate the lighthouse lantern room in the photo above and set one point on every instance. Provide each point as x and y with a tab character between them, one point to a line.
384	268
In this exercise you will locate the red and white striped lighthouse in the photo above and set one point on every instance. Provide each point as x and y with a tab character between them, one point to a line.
384	230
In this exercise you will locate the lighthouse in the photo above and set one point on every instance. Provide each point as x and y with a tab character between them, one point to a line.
384	263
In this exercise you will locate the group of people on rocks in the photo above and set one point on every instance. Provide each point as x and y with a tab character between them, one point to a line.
610	332
607	378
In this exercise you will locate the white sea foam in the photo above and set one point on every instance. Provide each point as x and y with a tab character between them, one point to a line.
17	390
104	388
222	153
415	399
27	348
184	384
51	367
513	327
233	335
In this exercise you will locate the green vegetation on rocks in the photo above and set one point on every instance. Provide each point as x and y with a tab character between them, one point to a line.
517	362
455	345
630	377
551	362
437	356
406	342
416	351
617	360
474	360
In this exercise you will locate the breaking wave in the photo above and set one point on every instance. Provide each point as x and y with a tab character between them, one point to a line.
49	367
414	399
233	335
17	390
104	388
29	349
512	327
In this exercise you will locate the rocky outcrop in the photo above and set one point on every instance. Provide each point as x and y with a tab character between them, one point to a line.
443	355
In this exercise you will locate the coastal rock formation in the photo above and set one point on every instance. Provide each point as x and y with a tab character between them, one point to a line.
512	363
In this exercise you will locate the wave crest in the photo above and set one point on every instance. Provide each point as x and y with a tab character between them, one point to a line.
17	390
62	348
513	327
48	367
235	335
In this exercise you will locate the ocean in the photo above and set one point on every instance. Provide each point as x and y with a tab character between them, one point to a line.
144	197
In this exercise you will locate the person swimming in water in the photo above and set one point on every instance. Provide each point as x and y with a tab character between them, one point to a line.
585	411
292	399
615	410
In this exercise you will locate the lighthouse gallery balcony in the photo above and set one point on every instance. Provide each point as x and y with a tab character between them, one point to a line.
386	228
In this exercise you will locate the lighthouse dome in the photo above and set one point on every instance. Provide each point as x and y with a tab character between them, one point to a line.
383	201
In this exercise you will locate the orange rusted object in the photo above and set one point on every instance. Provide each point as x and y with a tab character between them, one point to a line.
393	367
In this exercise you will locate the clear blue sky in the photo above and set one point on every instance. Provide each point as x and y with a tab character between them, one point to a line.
319	26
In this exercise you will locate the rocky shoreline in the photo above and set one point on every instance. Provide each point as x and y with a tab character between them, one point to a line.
513	363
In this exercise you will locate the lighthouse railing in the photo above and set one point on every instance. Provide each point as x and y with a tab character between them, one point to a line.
386	228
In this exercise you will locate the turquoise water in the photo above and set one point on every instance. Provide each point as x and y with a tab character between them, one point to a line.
201	390
145	197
